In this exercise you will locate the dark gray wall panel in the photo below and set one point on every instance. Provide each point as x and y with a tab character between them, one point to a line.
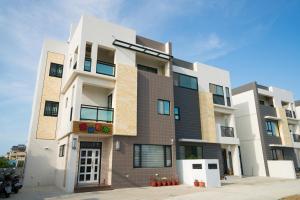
189	124
152	128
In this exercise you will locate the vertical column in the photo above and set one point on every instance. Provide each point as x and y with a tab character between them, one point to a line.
77	99
81	55
72	164
94	56
236	160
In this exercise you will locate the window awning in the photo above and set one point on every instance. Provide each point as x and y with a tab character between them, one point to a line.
142	49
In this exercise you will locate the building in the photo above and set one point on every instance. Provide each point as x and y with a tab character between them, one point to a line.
17	154
267	127
113	108
203	94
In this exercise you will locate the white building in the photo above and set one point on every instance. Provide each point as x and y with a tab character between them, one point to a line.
267	125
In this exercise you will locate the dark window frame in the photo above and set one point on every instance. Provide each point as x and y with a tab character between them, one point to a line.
217	95
54	70
61	150
187	157
140	156
52	104
177	114
163	100
178	80
269	128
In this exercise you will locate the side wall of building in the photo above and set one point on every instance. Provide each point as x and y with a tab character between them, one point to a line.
152	128
42	149
249	134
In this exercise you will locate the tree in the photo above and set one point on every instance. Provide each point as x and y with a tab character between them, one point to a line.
4	163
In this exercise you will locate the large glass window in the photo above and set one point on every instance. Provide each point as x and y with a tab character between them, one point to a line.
51	108
177	113
190	152
56	70
272	128
152	156
218	94
277	154
185	81
163	107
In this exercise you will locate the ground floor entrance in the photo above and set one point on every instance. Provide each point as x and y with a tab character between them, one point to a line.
231	160
89	162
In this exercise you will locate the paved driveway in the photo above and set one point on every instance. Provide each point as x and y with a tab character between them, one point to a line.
239	189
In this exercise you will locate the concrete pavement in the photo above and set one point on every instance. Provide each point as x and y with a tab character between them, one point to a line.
236	188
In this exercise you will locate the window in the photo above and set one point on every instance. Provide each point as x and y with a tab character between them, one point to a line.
62	150
51	108
163	107
152	156
185	81
262	102
277	154
190	152
177	113
228	97
272	128
212	166
147	69
56	70
218	94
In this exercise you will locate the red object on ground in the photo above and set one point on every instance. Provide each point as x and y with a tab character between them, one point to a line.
202	184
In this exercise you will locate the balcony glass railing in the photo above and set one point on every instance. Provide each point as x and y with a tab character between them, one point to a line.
87	64
105	68
296	137
227	131
96	113
218	99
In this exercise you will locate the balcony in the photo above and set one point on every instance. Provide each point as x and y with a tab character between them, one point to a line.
105	68
290	114
267	110
296	137
96	113
227	131
87	64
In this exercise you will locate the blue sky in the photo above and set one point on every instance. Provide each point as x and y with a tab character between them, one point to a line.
253	39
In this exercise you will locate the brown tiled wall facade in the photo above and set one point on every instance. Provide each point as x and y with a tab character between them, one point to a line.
152	128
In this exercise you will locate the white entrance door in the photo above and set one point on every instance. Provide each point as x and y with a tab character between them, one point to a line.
89	164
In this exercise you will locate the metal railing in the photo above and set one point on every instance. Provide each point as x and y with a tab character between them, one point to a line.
296	137
227	131
96	113
87	64
105	68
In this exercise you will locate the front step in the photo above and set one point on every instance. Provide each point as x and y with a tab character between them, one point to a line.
92	188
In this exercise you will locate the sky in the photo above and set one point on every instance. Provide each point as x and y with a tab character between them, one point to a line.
256	40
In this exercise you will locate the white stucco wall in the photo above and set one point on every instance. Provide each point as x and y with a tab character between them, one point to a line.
282	169
187	175
248	133
41	154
